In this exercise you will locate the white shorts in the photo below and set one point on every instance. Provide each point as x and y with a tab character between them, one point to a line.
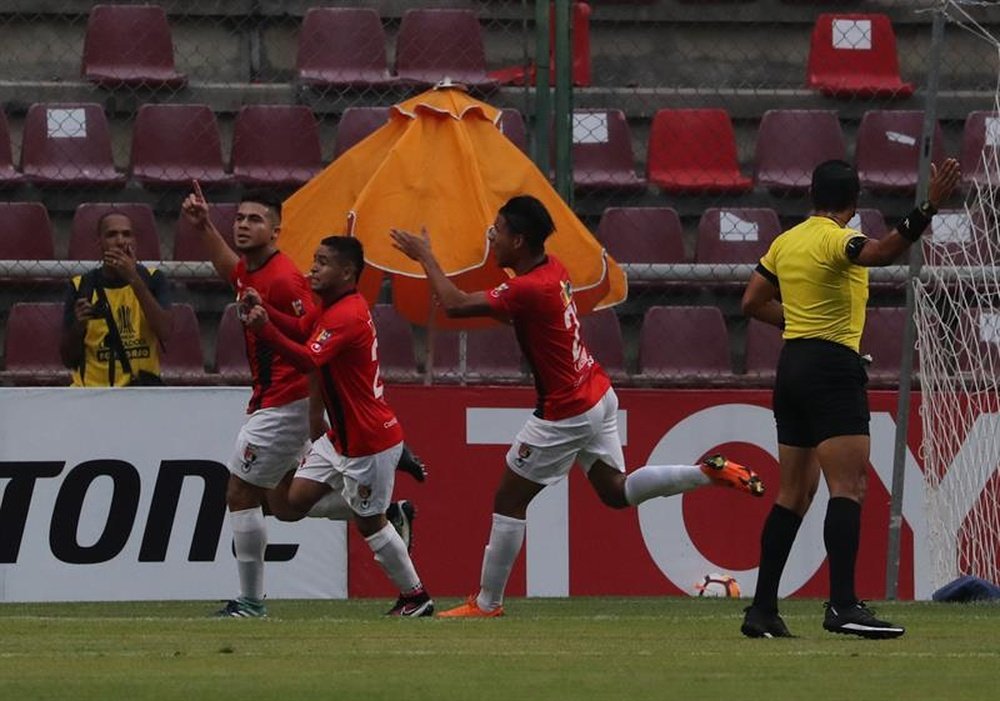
544	451
365	481
271	443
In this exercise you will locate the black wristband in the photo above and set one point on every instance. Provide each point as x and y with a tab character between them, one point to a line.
913	225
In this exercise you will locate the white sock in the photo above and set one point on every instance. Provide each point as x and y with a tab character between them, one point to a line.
250	540
506	537
390	554
662	481
332	506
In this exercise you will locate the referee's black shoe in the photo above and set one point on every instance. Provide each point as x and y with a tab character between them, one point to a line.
858	619
758	623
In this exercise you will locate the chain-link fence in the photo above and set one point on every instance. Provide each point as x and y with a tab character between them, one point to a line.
695	127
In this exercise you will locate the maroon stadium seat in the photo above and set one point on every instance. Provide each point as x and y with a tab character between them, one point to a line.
31	345
68	145
181	359
854	55
173	144
956	238
395	345
130	45
231	349
602	334
602	152
276	145
188	244
83	233
762	350
642	234
684	345
512	125
980	153
356	123
888	149
978	339
694	151
869	222
734	235
882	339
343	47
25	232
791	143
434	44
491	356
8	175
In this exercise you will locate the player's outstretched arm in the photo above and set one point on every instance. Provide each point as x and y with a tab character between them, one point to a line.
195	210
297	355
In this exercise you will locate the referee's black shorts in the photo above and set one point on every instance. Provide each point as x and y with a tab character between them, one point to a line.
819	393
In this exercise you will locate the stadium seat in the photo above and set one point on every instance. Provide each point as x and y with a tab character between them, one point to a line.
434	44
956	238
684	345
694	151
980	157
602	334
791	143
130	46
732	235
978	339
763	346
642	234
275	146
395	345
83	239
181	359
31	345
188	244
25	232
580	62
512	125
854	55
356	123
231	349
68	145
173	144
343	47
602	152
9	176
882	339
491	356
888	150
869	222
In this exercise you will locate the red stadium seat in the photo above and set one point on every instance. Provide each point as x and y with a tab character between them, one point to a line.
512	125
684	345
83	238
9	177
173	144
356	123
694	151
854	55
763	347
343	47
395	345
888	149
602	152
130	45
733	235
491	356
181	359
869	222
231	349
602	334
68	145
188	244
434	44
980	158
642	234
882	339
791	143
31	345
276	146
25	232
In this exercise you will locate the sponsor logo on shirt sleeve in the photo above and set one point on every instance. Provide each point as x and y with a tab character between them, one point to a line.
321	338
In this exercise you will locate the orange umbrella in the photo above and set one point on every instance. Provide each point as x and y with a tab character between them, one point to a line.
441	162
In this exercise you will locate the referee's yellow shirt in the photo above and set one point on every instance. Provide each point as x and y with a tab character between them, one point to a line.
823	293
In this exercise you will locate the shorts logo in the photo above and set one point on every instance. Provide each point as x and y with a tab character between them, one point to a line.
365	494
249	456
523	453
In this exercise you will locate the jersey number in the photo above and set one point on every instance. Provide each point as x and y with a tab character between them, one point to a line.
378	389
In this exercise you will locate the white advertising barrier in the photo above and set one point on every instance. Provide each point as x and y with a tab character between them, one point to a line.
133	481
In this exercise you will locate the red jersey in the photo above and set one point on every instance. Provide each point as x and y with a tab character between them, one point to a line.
280	284
343	348
540	304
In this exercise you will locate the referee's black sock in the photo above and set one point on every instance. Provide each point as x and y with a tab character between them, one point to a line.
775	543
841	534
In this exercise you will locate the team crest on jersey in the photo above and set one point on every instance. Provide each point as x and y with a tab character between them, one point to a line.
317	345
298	307
499	289
249	456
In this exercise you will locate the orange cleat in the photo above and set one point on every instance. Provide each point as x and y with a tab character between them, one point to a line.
726	473
470	609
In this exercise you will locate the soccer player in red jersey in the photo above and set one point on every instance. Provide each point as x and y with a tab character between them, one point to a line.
279	424
356	458
576	417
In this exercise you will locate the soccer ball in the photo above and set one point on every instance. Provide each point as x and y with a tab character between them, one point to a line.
721	585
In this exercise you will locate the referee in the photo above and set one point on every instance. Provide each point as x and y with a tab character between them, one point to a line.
819	269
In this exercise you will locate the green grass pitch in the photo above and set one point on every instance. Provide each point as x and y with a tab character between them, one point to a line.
579	648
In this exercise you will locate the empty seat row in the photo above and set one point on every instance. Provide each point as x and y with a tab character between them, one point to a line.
677	345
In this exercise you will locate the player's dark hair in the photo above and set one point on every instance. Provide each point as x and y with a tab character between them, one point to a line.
348	250
265	197
527	216
110	213
835	186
